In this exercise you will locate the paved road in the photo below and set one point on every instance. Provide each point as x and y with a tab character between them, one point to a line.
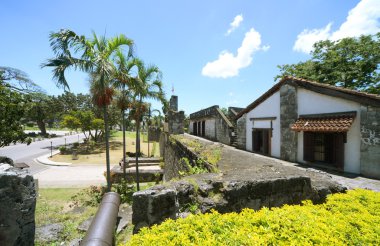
27	153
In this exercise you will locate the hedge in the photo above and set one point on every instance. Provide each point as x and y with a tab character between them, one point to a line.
351	218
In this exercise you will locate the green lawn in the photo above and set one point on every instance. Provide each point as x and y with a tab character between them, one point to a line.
57	206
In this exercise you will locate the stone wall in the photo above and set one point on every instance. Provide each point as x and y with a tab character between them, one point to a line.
207	112
223	130
241	130
288	115
176	121
173	151
210	191
17	206
370	141
154	134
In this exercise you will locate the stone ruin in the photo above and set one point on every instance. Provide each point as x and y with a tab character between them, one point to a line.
175	119
17	206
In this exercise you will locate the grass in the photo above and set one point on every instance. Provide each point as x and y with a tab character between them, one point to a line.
97	156
70	207
56	206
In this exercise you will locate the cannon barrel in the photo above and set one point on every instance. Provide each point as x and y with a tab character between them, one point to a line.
102	228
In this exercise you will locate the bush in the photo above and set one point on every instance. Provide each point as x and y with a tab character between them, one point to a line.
345	219
4	159
63	150
93	195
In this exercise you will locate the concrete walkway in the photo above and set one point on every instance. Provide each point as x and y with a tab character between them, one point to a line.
241	164
71	176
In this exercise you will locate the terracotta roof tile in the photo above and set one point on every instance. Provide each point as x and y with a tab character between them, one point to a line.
339	123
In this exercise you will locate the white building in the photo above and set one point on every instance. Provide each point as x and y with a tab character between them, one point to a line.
314	123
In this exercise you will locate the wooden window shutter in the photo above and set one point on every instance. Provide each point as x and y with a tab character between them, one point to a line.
308	146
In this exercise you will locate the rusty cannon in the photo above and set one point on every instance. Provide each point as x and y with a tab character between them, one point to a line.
102	229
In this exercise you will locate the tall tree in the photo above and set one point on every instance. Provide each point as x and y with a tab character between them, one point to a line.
352	63
124	82
39	110
12	105
94	56
18	80
148	86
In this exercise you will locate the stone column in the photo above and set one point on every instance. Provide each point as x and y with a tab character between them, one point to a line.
17	206
288	115
370	141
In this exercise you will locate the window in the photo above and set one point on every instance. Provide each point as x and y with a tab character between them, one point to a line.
327	148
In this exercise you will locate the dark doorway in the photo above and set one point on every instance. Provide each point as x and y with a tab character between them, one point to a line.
261	141
324	148
203	128
199	129
195	131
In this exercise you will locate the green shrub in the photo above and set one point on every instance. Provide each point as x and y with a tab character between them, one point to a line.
63	150
345	219
5	159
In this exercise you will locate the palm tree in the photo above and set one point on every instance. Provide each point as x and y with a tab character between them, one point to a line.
148	86
94	56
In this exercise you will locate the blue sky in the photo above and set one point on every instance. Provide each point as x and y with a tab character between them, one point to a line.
212	52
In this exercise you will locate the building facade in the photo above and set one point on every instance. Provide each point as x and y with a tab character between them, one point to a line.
312	123
212	124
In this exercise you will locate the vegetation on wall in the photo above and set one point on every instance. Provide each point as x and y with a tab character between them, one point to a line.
209	154
345	219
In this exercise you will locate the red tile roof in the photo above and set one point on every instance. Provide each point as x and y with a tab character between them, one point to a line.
337	123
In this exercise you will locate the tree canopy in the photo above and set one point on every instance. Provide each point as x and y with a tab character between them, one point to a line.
352	63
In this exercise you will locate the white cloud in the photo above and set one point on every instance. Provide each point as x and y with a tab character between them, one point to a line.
363	19
228	65
307	38
235	24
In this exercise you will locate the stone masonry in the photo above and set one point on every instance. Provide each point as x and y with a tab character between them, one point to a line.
370	141
241	132
17	206
288	115
175	118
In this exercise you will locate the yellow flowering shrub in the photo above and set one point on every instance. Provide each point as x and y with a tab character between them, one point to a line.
352	218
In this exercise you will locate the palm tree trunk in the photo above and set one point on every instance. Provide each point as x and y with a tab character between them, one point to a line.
124	142
107	148
137	154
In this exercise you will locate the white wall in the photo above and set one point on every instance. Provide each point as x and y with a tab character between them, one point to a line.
269	108
310	102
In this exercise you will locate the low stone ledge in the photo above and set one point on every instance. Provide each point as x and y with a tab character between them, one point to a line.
223	194
145	175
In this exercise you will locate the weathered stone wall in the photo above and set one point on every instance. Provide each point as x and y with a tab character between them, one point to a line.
207	112
370	141
210	191
223	131
173	103
172	152
288	115
154	134
241	129
176	121
17	206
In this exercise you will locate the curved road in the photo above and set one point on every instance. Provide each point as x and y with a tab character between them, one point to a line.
27	153
55	176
